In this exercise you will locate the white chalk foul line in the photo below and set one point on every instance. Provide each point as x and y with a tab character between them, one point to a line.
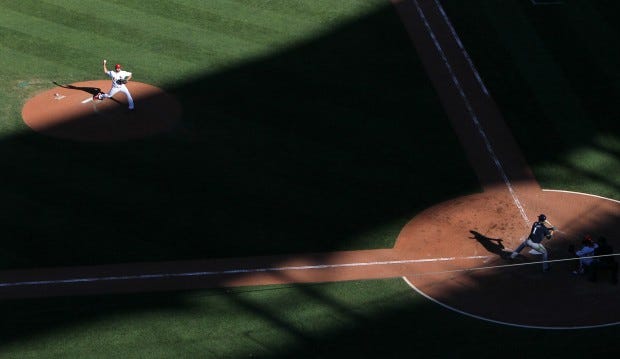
225	272
472	113
538	2
87	100
460	44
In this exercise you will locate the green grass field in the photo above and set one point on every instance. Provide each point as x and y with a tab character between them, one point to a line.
313	129
553	71
362	319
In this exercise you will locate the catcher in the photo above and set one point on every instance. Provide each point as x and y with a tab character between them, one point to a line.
584	254
119	81
534	240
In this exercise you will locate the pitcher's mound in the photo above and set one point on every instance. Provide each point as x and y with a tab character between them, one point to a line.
69	112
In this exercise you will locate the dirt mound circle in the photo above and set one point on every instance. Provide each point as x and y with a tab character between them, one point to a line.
69	112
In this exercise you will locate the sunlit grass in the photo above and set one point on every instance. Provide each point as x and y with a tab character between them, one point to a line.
234	323
164	44
599	163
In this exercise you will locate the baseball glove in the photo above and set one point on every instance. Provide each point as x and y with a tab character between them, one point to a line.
121	81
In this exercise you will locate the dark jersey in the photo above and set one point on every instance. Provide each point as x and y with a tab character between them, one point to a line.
539	232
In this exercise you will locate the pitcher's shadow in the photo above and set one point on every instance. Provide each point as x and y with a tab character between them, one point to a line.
91	90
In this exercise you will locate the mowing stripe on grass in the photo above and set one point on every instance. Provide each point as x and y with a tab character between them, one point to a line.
64	32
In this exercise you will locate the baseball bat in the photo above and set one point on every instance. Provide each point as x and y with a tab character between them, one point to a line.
570	237
551	225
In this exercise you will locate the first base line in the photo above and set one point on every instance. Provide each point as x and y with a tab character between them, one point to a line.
226	272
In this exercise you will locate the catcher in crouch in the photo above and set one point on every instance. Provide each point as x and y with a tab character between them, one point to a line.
537	234
119	79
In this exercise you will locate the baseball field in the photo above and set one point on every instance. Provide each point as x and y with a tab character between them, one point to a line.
304	127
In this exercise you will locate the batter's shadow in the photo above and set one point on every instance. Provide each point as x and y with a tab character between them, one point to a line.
90	90
493	245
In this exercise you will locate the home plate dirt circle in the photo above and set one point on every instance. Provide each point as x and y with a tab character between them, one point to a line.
69	112
466	242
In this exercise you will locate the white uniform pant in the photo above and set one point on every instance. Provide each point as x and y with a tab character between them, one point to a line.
123	89
584	262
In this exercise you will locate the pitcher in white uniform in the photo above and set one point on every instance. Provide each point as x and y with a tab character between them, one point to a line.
119	79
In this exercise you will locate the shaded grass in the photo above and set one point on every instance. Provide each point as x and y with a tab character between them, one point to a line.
242	322
338	155
364	319
327	141
552	71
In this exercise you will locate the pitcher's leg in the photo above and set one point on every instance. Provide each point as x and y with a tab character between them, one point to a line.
129	98
112	92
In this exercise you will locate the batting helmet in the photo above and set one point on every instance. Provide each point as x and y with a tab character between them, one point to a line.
542	218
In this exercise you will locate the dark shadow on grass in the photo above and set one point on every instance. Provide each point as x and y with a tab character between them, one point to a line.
394	329
578	104
317	148
307	150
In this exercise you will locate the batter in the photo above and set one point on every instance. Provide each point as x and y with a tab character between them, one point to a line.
538	232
